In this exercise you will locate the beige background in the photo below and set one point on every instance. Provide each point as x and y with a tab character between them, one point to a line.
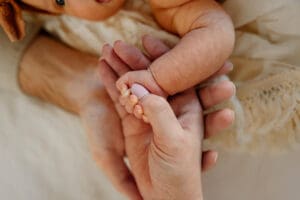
242	177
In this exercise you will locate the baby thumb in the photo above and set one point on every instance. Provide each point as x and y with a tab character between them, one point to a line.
159	113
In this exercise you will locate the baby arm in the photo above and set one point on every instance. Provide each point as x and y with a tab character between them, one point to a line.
123	58
207	41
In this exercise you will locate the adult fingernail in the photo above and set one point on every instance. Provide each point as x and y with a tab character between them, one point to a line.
118	42
215	158
233	88
229	65
105	47
139	90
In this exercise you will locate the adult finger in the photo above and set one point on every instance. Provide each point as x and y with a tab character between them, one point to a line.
154	47
188	110
118	173
217	121
113	60
209	160
162	119
107	147
225	69
109	79
216	93
131	55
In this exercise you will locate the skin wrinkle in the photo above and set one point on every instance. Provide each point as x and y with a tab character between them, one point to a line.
201	20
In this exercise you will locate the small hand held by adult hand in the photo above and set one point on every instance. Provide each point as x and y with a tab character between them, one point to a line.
166	159
123	58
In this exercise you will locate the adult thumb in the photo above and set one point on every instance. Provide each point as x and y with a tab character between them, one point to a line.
159	113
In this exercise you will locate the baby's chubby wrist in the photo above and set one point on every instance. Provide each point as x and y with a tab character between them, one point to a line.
157	89
142	77
128	99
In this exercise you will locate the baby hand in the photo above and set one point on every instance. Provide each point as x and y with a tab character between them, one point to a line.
129	83
129	86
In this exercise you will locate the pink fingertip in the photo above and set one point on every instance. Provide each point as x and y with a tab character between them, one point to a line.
134	99
139	90
229	65
104	47
118	42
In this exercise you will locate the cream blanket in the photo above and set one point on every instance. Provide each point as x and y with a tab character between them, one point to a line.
43	150
266	59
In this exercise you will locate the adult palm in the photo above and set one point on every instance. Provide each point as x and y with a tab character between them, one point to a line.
139	138
161	156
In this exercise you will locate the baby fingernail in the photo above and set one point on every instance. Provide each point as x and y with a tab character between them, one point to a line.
145	119
125	93
133	99
138	109
123	88
139	90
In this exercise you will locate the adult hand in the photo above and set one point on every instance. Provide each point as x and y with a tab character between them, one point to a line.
165	158
210	96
